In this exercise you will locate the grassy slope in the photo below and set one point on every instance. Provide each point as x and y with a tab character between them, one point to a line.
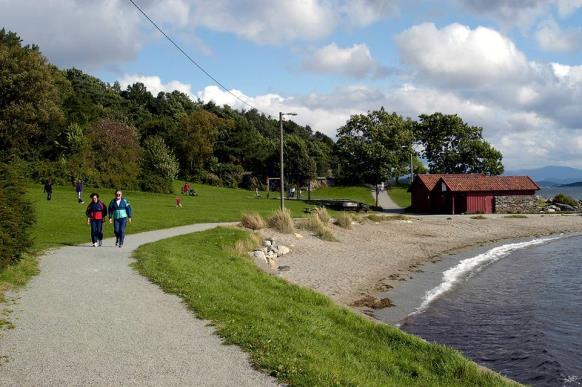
293	333
400	195
62	221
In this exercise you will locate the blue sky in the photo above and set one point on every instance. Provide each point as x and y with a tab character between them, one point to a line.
513	67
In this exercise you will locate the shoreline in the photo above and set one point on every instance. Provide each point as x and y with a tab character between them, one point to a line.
408	296
371	262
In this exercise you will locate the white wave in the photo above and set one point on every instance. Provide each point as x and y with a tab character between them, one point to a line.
471	265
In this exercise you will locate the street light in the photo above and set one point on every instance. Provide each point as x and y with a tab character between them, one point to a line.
411	176
281	114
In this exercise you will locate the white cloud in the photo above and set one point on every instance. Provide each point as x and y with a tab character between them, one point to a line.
551	37
355	61
155	85
457	55
521	13
361	13
266	21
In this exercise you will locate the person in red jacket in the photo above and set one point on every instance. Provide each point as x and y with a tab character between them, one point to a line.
96	213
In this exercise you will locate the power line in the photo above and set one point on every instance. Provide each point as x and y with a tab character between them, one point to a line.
190	58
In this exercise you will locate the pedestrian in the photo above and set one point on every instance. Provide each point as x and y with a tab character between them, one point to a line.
119	214
79	190
48	188
96	213
178	201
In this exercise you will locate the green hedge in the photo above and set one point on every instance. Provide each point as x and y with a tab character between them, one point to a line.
16	216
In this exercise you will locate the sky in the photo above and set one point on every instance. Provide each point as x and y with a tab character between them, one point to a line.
512	67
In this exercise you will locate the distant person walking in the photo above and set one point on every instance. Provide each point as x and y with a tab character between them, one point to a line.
96	213
79	190
119	214
48	188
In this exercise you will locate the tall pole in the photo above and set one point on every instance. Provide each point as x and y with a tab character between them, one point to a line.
281	160
281	114
411	170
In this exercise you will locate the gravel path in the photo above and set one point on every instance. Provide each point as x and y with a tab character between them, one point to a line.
90	319
386	202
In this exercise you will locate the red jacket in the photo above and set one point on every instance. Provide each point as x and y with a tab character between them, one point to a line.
96	211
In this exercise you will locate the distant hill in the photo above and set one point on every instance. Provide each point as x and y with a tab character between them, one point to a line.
555	175
576	184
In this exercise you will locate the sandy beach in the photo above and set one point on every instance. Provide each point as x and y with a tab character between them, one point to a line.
373	257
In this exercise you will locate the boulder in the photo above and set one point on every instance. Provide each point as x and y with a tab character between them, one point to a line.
259	255
282	250
267	243
564	207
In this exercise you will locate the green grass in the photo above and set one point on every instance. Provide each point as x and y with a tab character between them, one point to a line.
62	220
295	334
399	195
16	276
358	193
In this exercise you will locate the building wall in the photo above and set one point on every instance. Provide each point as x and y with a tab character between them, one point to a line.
420	199
516	204
479	202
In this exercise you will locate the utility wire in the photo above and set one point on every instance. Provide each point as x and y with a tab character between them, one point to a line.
190	58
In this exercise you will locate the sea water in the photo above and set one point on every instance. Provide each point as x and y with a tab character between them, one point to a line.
516	308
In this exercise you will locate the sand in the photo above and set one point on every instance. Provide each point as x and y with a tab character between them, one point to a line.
374	257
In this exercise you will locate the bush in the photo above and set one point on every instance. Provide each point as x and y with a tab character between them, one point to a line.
281	220
159	166
16	217
320	229
322	214
254	221
343	220
565	199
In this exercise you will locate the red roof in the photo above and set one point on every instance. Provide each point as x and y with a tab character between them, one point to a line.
430	181
472	183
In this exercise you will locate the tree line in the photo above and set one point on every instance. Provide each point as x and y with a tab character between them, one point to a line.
68	125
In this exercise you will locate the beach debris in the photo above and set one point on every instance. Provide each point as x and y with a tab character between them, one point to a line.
369	301
298	236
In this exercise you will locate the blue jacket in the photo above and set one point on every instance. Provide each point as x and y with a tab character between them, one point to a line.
121	211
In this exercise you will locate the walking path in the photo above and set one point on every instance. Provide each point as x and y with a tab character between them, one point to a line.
89	318
386	202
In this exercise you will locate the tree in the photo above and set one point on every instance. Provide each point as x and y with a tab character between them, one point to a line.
159	166
452	146
194	139
29	99
374	147
112	155
299	166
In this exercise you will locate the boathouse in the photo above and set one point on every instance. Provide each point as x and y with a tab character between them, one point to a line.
466	193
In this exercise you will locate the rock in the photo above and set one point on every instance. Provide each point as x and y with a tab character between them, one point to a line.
271	255
564	207
551	210
282	250
284	268
267	243
298	236
260	255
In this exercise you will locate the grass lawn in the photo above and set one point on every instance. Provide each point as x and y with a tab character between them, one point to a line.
62	220
359	193
399	194
295	334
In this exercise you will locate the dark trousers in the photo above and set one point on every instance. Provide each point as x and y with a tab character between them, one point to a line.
49	195
96	230
119	229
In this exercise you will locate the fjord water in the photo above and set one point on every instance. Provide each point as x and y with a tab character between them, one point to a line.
518	313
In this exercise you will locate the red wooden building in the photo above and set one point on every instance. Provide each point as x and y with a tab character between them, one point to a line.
465	193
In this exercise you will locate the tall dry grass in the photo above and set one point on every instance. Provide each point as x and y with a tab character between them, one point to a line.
253	220
343	220
320	229
281	221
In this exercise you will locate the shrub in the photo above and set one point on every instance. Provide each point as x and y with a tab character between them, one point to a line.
254	221
281	220
343	220
320	229
159	166
515	216
16	217
322	214
565	199
478	217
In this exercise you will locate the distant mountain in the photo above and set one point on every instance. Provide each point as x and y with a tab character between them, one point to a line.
551	174
576	184
546	183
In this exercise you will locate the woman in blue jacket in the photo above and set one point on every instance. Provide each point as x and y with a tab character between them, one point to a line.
120	211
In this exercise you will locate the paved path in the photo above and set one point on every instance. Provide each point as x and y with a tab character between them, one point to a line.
89	319
386	202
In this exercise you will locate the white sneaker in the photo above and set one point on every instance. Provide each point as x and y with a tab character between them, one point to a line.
94	244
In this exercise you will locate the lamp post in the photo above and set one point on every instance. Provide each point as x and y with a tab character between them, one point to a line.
281	115
411	176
